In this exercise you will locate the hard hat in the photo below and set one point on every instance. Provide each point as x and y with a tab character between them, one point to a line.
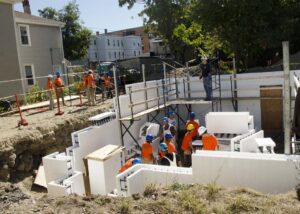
190	127
50	76
149	137
165	119
170	113
201	130
168	136
57	73
192	114
136	161
163	147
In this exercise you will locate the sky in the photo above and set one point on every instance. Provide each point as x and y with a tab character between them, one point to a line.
97	15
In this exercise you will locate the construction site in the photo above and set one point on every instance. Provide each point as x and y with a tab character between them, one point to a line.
75	157
146	134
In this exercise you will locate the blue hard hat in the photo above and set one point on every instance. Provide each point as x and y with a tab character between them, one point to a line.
168	136
163	147
57	73
192	115
136	161
149	137
165	119
170	113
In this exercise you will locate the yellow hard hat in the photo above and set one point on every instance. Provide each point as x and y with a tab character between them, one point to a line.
190	127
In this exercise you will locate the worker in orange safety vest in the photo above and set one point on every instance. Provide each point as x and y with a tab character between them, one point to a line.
186	146
147	150
50	91
209	141
194	123
59	84
91	88
129	163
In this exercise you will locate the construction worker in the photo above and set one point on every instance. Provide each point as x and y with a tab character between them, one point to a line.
91	88
194	123
131	162
107	80
168	141
147	150
59	84
186	146
172	119
168	158
209	141
50	91
167	128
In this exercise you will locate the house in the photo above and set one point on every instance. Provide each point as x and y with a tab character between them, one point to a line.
106	47
31	47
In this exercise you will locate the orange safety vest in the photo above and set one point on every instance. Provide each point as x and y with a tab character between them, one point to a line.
127	165
49	85
58	83
147	151
196	126
107	81
171	149
90	81
210	142
187	141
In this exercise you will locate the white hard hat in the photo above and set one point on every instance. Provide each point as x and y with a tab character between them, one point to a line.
201	130
50	76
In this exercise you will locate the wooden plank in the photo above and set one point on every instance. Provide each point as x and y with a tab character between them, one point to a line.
104	153
188	101
142	113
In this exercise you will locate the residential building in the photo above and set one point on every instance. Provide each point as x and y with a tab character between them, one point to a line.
158	47
30	47
106	47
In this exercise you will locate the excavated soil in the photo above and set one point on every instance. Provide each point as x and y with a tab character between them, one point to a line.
177	199
21	148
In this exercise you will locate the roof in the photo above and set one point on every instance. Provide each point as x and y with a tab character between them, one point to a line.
30	19
10	1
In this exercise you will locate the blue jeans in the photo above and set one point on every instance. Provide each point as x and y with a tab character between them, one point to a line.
207	83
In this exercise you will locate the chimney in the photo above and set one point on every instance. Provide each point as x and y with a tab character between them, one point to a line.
105	31
26	6
97	33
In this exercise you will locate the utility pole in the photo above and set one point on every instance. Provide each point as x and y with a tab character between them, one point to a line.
236	107
286	98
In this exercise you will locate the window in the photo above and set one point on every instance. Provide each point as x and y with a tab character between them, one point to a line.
139	52
134	53
29	74
108	42
122	43
133	43
25	35
139	44
119	55
95	43
118	43
123	55
96	55
114	43
115	55
109	55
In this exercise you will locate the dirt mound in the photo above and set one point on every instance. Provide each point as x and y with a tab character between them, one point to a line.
174	199
10	195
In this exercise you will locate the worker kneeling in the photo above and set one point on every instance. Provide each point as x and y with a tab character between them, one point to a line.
168	158
209	141
187	147
131	162
147	150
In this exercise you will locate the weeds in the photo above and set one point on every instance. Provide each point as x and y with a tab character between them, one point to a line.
150	190
191	203
212	191
124	207
239	204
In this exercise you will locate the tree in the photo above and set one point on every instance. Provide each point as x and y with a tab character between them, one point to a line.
76	37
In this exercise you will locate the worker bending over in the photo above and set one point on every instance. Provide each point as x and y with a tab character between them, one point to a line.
168	158
59	84
168	128
49	88
147	150
170	145
194	123
209	141
131	162
187	147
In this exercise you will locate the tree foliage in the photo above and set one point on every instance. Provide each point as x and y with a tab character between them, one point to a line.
252	31
76	37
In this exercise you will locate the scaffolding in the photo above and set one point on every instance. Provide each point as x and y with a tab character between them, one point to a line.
169	100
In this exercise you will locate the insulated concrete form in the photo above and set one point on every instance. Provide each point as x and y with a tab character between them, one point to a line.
71	184
57	166
248	144
267	173
103	165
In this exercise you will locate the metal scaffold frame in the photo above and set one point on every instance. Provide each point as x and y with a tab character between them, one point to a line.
168	104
